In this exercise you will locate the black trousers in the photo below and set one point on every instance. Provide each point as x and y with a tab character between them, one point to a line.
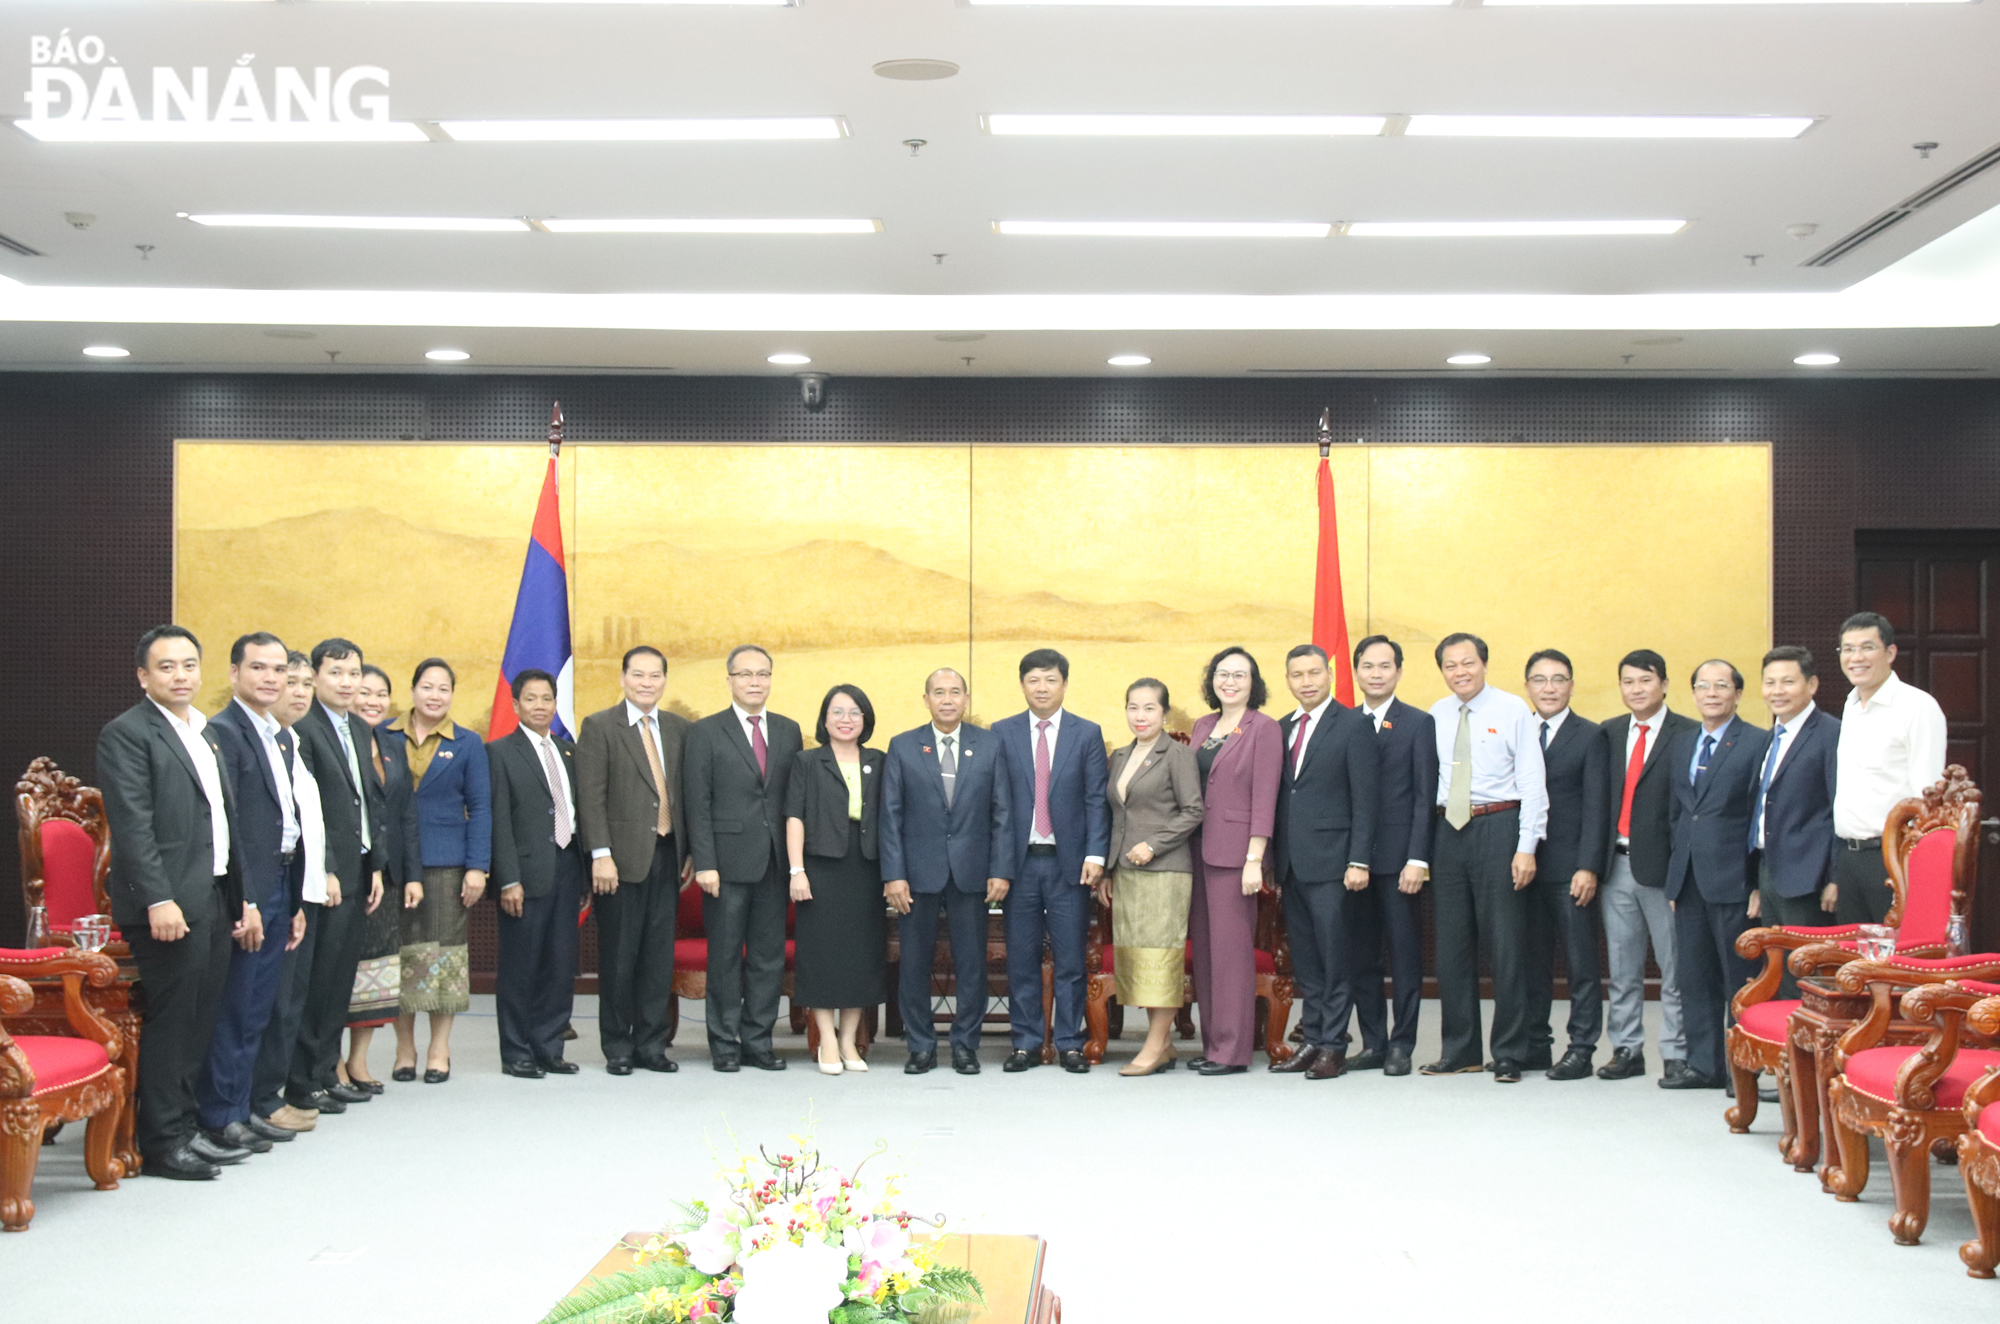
1555	919
329	992
635	960
536	985
746	961
1865	894
182	986
964	914
1477	908
1800	912
1709	972
281	1033
1317	920
1386	912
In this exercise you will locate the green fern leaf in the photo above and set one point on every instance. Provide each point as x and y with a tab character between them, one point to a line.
620	1290
951	1283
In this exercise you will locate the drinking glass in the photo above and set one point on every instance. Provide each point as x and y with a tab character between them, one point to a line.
92	932
1877	942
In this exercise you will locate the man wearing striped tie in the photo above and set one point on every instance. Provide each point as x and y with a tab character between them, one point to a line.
538	868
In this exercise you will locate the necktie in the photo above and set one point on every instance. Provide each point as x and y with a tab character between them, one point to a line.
354	771
1299	741
1043	828
1764	788
665	826
1701	762
758	747
1634	766
1458	800
948	768
556	789
1545	737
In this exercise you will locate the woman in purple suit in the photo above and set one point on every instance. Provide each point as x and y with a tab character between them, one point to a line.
1241	755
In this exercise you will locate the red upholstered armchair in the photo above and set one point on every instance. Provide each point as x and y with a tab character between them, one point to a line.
1910	1095
56	1078
1930	848
1979	1147
65	849
691	959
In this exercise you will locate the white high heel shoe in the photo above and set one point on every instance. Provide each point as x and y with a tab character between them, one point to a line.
830	1068
853	1064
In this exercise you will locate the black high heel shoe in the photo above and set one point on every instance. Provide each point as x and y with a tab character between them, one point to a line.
405	1074
432	1076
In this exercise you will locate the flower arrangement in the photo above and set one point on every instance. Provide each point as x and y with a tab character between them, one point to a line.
786	1239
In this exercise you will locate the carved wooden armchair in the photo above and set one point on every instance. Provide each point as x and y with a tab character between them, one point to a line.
1910	1095
65	849
56	1078
1930	847
1979	1147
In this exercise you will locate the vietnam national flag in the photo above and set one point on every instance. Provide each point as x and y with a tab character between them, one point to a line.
539	636
1329	610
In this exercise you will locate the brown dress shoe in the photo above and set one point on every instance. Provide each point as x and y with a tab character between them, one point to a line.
293	1119
1328	1064
1296	1063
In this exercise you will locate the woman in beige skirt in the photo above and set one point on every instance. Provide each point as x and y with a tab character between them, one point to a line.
1155	808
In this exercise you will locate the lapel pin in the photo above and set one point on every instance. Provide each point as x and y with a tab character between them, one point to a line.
927	749
1388	726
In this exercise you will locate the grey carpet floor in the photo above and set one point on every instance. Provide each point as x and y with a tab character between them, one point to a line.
1165	1198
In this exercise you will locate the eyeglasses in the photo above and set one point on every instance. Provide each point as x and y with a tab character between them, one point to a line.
1713	687
751	675
1232	675
1860	650
1548	680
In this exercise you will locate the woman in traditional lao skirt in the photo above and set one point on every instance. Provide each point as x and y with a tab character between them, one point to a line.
378	980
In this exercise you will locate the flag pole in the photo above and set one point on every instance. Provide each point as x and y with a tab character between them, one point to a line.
1329	605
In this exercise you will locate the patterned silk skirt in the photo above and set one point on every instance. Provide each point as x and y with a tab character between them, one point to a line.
1149	924
378	980
435	974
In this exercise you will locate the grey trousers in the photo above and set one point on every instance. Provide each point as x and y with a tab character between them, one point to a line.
1632	915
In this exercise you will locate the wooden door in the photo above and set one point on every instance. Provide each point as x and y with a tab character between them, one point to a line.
1938	590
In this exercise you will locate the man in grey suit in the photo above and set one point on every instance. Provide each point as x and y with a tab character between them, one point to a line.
733	777
628	773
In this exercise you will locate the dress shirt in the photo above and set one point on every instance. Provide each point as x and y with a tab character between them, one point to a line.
545	749
312	831
1506	756
267	729
957	737
420	752
1891	748
633	716
1375	716
1054	720
343	735
743	717
1315	719
210	776
1554	724
1783	730
1701	737
1652	725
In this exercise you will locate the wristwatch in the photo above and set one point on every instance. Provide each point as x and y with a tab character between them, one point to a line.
796	871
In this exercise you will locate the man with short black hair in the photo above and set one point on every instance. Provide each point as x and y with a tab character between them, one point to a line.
1791	825
1892	740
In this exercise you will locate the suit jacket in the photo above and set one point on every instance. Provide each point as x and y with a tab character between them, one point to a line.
1652	802
1406	760
816	795
617	806
735	814
1162	807
258	830
524	813
1240	798
161	823
342	803
454	801
402	851
1577	824
1077	785
1798	810
1326	810
926	843
1711	815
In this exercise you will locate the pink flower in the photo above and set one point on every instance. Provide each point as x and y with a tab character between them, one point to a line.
882	1242
711	1248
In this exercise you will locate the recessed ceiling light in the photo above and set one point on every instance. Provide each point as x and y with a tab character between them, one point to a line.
1192	126
1803	360
358	222
1171	229
915	71
626	131
1607	126
106	352
446	355
221	131
1128	360
789	360
1508	229
1469	360
700	226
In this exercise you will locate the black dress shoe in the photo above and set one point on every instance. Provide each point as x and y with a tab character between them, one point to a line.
618	1066
764	1061
1575	1065
208	1151
525	1070
1074	1061
964	1061
404	1074
1198	1064
1297	1064
1443	1068
275	1134
432	1076
1690	1079
237	1135
569	1032
724	1058
318	1101
1368	1059
349	1093
919	1063
179	1165
556	1066
1220	1069
1506	1071
1397	1062
1328	1064
1021	1060
1625	1063
662	1063
1673	1068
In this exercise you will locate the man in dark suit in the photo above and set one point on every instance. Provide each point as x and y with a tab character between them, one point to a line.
352	805
538	867
1324	837
734	772
176	893
257	760
1392	907
1716	772
1562	901
628	805
1057	772
1791	826
1639	794
945	825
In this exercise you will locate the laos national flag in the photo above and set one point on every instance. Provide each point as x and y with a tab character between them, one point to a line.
539	636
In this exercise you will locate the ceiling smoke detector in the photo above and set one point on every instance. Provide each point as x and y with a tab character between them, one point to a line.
915	71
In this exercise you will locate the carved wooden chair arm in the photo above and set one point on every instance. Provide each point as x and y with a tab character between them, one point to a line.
1818	958
15	998
1982	1093
1923	1005
1912	971
1945	1006
1984	1017
75	967
1753	943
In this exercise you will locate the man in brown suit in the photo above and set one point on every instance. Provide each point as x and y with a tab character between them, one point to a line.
628	770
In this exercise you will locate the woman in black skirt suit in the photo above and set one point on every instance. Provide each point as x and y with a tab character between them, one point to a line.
831	803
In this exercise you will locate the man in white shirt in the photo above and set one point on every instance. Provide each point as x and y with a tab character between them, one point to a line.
1892	738
1493	810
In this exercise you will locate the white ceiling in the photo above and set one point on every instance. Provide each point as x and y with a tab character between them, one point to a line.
1881	76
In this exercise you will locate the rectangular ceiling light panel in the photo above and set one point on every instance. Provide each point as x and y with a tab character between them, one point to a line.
1188	126
1607	126
677	130
499	223
1209	4
1170	229
221	131
702	226
1507	229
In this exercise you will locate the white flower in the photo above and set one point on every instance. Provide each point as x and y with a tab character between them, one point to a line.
789	1283
711	1248
883	1241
